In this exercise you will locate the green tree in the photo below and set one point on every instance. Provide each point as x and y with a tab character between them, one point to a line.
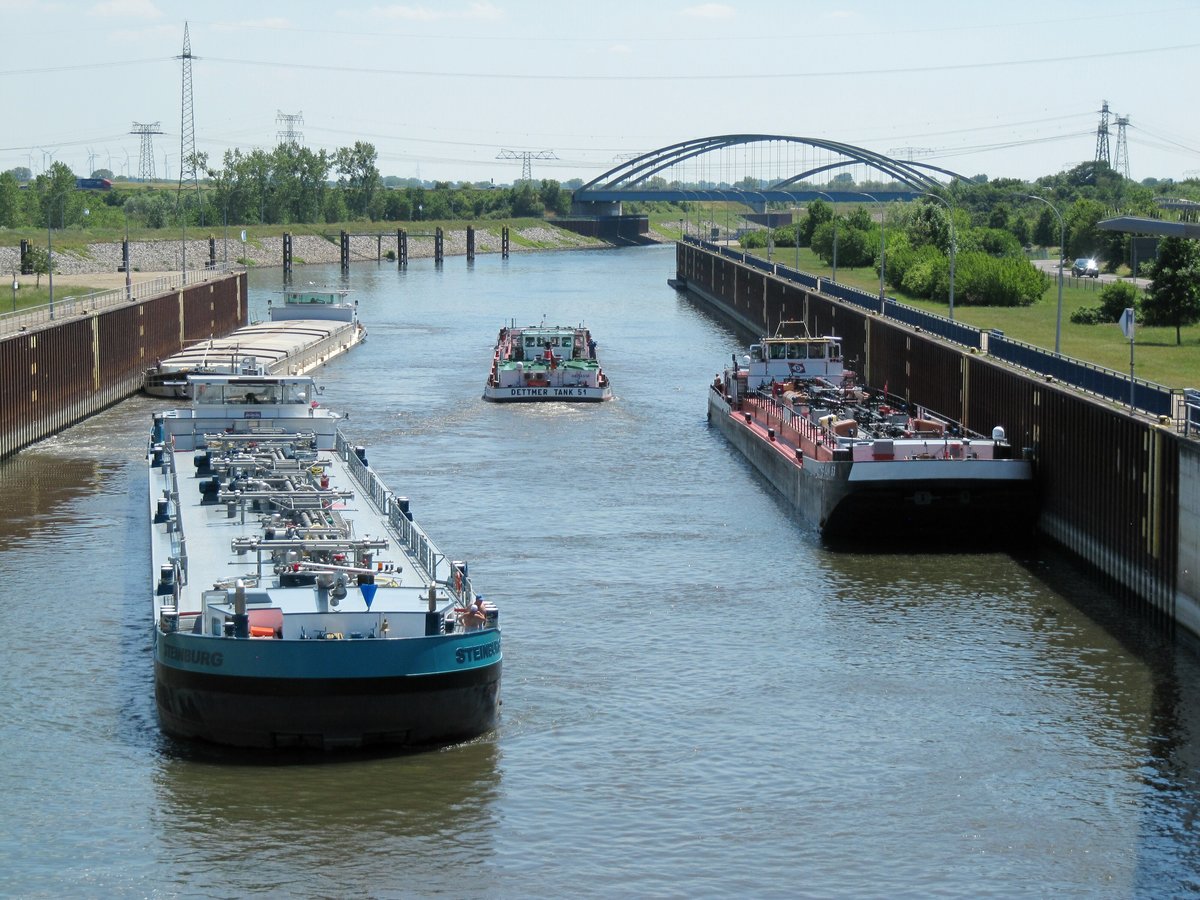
10	201
60	204
396	207
1045	232
358	177
1173	297
1019	227
818	213
39	262
525	201
1083	238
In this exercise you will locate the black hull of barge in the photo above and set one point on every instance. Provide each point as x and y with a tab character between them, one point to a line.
403	713
947	514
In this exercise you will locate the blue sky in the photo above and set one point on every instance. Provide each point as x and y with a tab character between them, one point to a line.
1008	89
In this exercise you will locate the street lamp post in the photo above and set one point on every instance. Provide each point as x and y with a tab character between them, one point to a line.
50	253
125	256
767	216
834	208
1062	251
953	244
882	258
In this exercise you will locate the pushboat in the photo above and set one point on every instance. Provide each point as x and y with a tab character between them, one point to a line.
862	464
546	363
296	601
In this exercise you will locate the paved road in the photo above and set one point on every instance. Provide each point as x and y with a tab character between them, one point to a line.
1050	267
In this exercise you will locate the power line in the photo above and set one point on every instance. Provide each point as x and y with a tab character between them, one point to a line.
715	76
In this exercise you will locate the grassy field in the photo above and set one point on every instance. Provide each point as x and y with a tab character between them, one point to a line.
1157	357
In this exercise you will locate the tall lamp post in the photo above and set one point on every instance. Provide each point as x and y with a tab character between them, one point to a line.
767	216
953	244
125	256
796	226
50	251
1062	252
834	207
882	258
687	212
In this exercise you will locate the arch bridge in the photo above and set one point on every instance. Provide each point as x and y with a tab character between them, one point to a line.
780	168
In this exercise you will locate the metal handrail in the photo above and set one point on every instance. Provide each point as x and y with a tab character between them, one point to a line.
71	306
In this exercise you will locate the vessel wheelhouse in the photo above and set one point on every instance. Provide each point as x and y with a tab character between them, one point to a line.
546	363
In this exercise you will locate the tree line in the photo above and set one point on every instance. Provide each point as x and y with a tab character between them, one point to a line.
290	185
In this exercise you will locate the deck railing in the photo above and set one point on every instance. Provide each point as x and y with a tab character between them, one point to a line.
420	548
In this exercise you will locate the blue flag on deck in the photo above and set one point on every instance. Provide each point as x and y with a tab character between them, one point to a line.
1126	322
368	592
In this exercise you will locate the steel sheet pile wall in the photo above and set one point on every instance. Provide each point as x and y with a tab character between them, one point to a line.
1110	491
55	376
916	367
1110	482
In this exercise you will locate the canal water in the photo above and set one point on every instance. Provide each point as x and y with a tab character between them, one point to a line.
699	698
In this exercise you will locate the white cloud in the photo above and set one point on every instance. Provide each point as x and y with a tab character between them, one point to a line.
482	11
123	9
710	11
620	50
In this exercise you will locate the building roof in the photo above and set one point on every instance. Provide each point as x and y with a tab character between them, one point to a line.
1143	225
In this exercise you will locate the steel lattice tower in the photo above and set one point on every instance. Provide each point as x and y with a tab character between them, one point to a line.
1102	136
287	133
146	162
525	156
187	131
1122	164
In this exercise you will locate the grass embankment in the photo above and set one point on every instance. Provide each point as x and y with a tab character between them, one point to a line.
1157	357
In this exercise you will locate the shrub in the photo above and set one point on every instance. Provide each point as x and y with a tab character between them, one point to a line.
1115	298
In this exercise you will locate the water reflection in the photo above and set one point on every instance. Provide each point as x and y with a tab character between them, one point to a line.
326	825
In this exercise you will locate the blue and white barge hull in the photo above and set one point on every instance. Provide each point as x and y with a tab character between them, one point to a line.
296	602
